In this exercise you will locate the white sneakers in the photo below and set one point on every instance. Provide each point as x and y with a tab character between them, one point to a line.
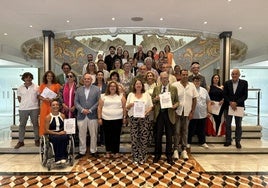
205	146
184	155
176	154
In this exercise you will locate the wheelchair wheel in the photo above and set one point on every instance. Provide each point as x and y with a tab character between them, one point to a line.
43	147
71	151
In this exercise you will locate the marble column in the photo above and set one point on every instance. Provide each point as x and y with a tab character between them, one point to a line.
48	50
225	46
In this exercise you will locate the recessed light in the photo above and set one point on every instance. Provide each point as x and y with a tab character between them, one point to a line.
161	19
5	34
30	26
68	21
229	0
137	19
113	19
205	23
240	28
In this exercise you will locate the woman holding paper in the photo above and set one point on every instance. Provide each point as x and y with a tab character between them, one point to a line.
112	115
48	90
139	104
54	127
216	97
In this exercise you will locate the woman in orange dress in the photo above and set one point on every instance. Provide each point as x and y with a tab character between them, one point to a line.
50	82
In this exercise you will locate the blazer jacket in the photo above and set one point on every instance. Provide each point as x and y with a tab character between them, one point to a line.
60	79
90	103
174	98
239	96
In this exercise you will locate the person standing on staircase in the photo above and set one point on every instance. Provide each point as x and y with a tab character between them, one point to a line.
29	106
235	93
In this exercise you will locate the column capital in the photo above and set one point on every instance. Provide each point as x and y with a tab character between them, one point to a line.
225	34
48	33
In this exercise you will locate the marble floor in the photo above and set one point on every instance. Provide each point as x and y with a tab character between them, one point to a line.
201	170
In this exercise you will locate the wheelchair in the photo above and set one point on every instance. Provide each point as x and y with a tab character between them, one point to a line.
47	154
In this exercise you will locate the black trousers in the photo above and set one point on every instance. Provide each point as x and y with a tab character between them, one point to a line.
112	131
197	126
163	123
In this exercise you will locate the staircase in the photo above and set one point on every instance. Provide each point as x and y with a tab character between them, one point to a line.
251	143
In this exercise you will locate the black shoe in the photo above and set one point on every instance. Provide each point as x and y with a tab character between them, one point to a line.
94	155
19	144
156	159
238	145
226	144
170	161
79	156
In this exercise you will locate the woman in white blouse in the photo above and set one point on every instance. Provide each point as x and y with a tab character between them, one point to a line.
112	115
139	120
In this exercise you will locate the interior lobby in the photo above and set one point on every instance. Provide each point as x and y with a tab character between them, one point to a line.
192	29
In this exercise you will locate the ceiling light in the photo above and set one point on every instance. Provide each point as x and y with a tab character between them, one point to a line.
161	19
240	28
113	19
205	22
229	0
5	34
68	21
30	26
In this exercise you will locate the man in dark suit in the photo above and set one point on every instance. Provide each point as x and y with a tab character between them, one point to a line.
86	103
164	117
235	93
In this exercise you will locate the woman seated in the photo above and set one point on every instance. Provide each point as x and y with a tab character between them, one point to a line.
54	127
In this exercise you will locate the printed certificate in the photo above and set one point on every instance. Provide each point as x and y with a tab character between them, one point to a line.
139	109
69	125
239	112
47	93
165	100
215	108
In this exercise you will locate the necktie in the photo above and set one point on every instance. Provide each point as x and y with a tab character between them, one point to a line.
164	89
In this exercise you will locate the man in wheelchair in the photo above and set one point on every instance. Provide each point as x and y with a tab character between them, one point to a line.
54	129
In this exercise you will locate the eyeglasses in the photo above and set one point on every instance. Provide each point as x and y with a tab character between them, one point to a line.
69	76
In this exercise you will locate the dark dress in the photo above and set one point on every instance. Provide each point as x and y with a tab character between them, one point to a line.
216	94
59	142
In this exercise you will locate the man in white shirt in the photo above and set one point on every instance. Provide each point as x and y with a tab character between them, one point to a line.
27	97
187	94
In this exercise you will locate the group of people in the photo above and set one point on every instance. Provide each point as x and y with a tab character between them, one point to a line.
143	92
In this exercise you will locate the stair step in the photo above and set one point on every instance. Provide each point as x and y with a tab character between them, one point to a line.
126	148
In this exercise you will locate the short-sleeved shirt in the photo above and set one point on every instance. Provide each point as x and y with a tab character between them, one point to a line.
146	98
186	95
201	104
29	100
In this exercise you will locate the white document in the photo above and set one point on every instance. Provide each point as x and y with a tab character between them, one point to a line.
139	109
239	112
69	125
215	108
47	93
165	100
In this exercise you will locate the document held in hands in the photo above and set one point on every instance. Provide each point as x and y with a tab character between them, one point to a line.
139	109
69	125
165	100
48	93
215	108
239	112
